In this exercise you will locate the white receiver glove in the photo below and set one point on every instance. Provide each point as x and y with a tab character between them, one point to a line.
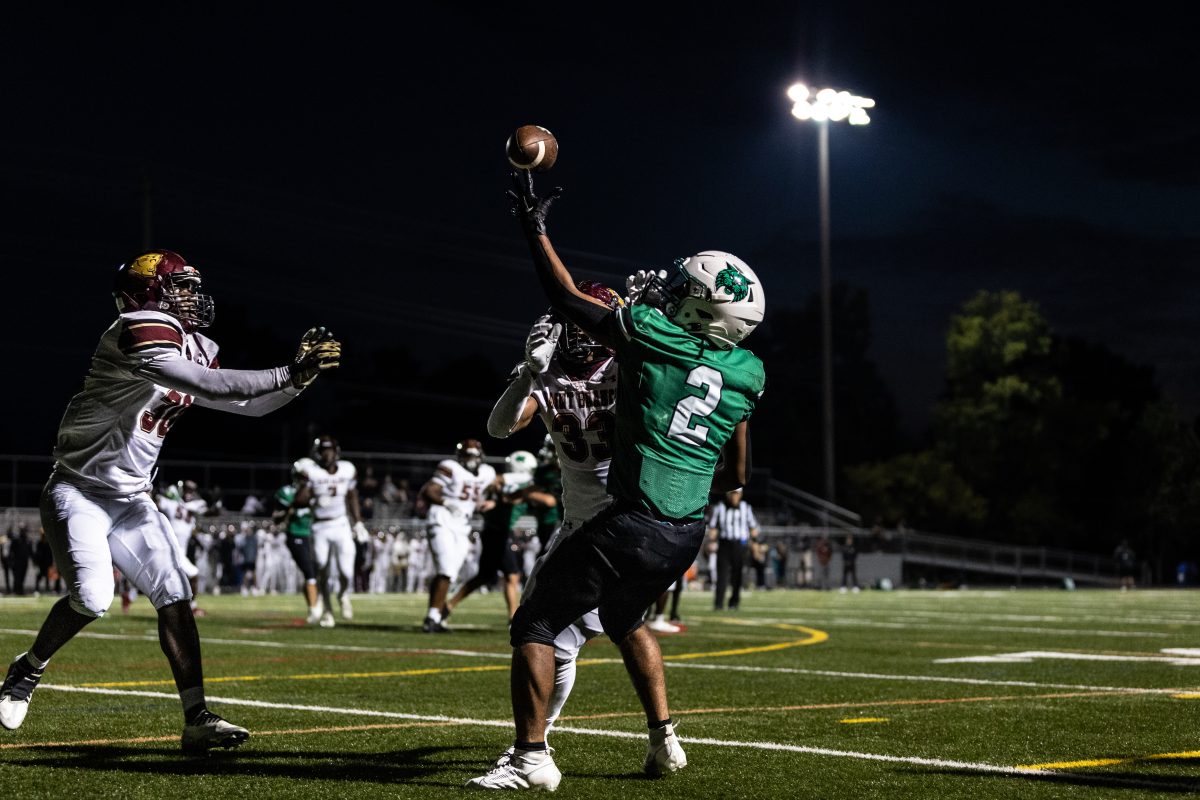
361	534
539	347
635	285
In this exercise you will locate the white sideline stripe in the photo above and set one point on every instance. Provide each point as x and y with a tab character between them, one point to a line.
127	637
1182	658
916	678
789	748
669	663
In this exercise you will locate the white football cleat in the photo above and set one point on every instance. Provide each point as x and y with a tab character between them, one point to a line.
347	609
327	620
208	731
314	615
520	769
16	691
664	753
662	626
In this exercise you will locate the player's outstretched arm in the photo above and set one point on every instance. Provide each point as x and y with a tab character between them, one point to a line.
319	352
515	408
585	311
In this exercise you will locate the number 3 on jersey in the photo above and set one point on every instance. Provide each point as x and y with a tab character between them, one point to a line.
683	426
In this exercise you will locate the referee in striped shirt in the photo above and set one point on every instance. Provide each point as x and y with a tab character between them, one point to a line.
732	525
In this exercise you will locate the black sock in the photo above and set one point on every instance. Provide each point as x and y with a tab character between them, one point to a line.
529	745
190	714
662	723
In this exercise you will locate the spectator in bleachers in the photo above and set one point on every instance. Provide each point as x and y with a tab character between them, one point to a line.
399	555
20	552
823	554
368	492
43	559
849	563
247	543
760	553
779	557
5	544
253	506
1126	564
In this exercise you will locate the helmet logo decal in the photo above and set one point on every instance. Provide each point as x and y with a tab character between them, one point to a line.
734	282
145	265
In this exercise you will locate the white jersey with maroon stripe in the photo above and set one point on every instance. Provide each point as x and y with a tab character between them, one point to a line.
579	416
329	489
112	431
462	489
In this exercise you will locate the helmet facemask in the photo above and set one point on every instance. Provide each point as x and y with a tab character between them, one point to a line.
576	351
181	299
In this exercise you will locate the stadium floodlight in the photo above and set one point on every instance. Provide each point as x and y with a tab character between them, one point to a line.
829	104
824	106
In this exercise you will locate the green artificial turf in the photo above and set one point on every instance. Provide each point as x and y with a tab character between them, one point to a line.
375	708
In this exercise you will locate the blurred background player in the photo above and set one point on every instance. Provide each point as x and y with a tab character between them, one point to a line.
296	521
149	366
569	380
547	479
507	492
182	504
330	490
453	494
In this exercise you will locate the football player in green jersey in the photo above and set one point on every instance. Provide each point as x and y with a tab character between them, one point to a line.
685	395
296	522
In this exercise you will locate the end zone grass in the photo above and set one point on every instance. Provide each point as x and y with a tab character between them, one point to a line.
973	694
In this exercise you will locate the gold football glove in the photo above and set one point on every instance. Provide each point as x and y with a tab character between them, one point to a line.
318	352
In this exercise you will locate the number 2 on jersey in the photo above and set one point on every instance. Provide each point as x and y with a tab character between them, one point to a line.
683	426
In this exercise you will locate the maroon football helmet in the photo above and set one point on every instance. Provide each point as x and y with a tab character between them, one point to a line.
160	280
577	351
469	453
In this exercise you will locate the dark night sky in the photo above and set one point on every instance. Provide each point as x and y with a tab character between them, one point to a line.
345	169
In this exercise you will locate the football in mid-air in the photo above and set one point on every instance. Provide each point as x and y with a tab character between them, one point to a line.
532	147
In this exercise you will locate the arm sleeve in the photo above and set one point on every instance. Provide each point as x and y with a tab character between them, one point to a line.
254	407
176	372
511	405
595	319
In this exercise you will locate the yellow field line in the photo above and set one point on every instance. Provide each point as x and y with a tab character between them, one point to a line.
860	704
812	636
255	735
1108	762
862	720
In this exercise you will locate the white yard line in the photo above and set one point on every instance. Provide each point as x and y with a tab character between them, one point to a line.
640	736
915	678
150	637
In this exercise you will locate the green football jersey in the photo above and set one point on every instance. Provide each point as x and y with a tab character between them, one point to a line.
548	478
502	516
679	398
301	519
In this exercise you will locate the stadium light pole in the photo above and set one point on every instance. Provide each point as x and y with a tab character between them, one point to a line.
823	107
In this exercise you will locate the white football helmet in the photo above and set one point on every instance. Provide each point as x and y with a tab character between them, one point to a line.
521	461
714	294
